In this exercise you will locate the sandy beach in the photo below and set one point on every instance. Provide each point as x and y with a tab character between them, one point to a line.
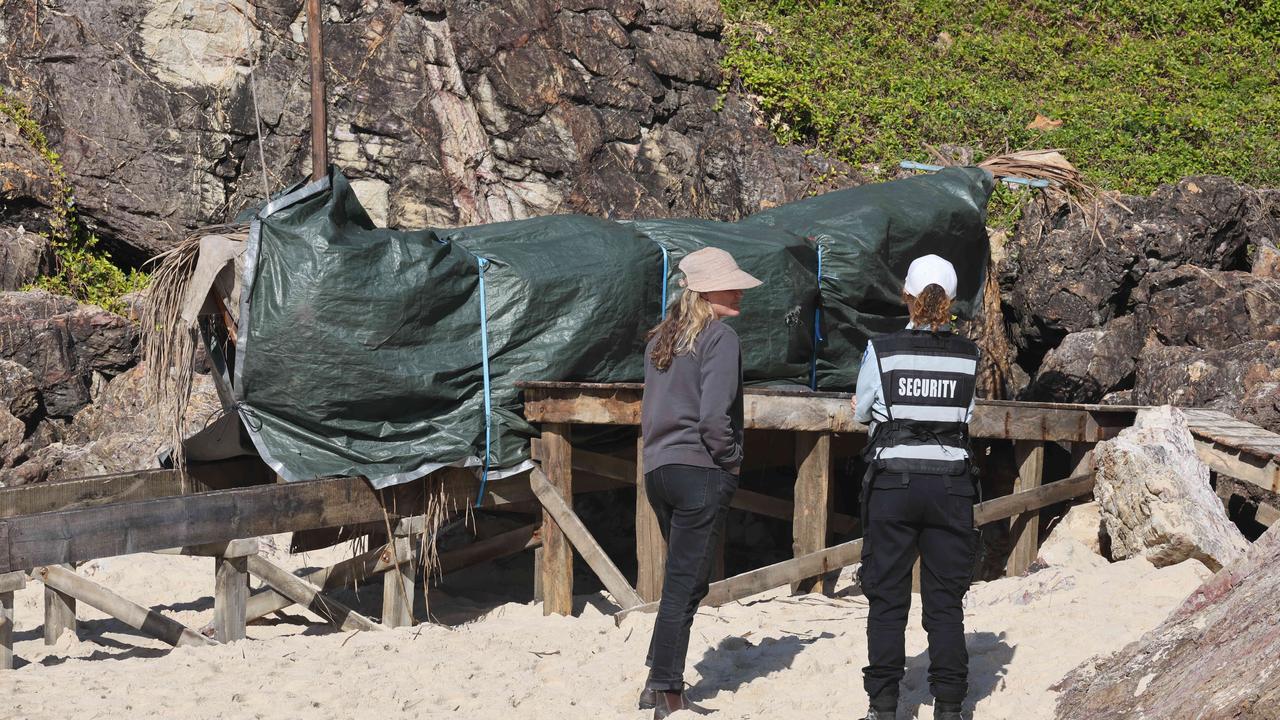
766	657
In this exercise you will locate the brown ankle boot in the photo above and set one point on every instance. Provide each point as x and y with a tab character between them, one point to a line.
648	699
670	702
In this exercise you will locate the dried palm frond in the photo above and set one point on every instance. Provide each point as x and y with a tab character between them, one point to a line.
1063	177
169	344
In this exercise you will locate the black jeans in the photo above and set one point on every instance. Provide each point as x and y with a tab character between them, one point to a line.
932	516
691	504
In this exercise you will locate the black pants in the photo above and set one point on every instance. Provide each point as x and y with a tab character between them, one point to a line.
930	516
691	504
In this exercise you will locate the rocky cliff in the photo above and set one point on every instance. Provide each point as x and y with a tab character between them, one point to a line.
444	112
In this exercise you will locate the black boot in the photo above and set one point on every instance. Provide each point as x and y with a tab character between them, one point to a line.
946	711
670	702
881	714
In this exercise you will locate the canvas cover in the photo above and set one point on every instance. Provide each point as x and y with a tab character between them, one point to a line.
390	353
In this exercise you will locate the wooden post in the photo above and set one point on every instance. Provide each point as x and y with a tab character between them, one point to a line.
651	548
9	583
59	613
130	613
557	554
1024	529
231	590
397	583
813	501
319	122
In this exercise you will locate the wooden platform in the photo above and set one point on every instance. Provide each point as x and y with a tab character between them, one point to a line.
1236	448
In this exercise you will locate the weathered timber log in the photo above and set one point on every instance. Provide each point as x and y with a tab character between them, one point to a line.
556	506
126	611
309	596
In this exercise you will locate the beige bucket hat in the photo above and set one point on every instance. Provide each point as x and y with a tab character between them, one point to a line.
711	269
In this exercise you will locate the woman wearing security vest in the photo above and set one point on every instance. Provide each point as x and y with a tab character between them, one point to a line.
691	420
916	390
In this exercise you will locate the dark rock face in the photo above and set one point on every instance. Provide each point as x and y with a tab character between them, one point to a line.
443	112
1089	364
1062	277
63	344
24	256
18	395
1176	670
1208	309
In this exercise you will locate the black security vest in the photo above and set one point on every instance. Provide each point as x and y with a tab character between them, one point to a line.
927	381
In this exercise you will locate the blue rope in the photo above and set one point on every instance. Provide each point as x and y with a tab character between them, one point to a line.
817	326
488	402
666	271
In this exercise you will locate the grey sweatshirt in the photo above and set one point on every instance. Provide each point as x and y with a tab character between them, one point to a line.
692	412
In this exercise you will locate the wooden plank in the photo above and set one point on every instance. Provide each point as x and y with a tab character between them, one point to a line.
498	546
557	555
13	582
1266	515
813	501
397	585
567	521
230	595
831	412
1228	461
59	614
775	507
848	553
609	467
128	486
651	547
78	535
235	548
1024	529
309	596
130	613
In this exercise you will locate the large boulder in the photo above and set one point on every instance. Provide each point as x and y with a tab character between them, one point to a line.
1069	272
24	256
442	112
1089	364
120	431
63	344
1155	496
1217	379
1214	658
1210	309
18	395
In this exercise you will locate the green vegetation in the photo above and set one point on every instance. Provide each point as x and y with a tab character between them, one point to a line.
83	270
1147	91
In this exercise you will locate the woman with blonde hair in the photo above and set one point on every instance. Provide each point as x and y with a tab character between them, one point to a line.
916	389
691	422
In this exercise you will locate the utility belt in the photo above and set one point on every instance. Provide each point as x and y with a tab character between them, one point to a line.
906	433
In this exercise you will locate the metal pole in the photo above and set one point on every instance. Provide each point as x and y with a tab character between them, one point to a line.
319	123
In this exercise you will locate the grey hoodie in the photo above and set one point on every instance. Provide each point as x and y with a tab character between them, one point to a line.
692	412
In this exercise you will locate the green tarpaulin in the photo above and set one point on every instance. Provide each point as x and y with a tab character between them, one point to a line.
389	353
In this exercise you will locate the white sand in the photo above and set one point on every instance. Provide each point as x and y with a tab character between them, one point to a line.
764	658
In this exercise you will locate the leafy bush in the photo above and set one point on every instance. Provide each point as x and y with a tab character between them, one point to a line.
1147	91
83	270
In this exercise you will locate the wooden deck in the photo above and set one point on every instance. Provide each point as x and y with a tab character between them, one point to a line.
215	510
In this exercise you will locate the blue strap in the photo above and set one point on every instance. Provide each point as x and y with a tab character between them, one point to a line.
817	327
666	270
483	263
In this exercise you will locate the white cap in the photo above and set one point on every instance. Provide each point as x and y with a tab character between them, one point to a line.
930	270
